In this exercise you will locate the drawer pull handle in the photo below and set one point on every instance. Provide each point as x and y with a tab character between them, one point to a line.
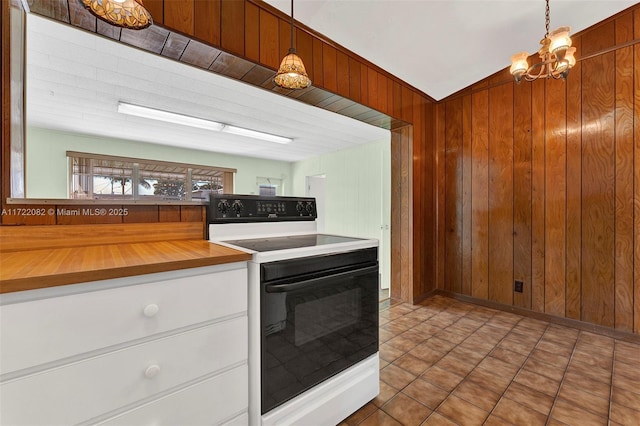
152	371
151	310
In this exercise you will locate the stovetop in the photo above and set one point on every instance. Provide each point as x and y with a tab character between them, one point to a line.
290	242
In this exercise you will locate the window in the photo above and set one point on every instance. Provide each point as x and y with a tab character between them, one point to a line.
269	186
108	177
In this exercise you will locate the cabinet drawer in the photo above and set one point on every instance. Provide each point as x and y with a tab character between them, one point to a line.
79	391
40	331
208	403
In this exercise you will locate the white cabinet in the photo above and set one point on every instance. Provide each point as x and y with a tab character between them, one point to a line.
167	348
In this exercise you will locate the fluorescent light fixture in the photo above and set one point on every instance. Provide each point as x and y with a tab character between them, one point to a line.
168	117
254	134
201	123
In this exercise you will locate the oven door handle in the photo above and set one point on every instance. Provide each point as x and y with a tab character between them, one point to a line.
301	285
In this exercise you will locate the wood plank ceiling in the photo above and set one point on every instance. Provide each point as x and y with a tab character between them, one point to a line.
171	44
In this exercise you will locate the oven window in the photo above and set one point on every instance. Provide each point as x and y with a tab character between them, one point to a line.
313	329
321	317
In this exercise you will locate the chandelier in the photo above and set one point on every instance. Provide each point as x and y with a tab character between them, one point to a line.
129	14
556	56
291	74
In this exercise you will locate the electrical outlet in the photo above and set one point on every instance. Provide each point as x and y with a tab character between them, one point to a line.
518	286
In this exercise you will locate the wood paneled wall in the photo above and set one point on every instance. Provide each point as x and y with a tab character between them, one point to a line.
255	31
540	183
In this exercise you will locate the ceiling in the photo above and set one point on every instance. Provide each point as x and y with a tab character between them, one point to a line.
442	46
71	87
75	79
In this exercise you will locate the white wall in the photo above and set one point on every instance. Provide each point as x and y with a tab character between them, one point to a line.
46	171
357	193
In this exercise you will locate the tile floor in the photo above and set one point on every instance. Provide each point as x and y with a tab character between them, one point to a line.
447	362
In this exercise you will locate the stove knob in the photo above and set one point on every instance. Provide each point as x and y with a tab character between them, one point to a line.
223	207
299	207
237	207
309	208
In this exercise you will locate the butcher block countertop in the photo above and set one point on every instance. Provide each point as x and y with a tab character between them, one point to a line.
51	264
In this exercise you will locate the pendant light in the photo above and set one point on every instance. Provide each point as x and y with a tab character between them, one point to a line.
291	74
129	14
556	56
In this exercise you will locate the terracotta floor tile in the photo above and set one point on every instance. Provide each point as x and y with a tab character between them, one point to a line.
386	393
593	339
390	314
544	369
556	359
624	415
561	334
465	326
592	372
465	354
628	370
592	360
406	410
403	343
394	328
453	364
436	419
490	381
554	422
499	367
626	398
427	329
587	384
585	400
477	345
442	378
440	345
508	356
396	376
450	336
407	322
462	412
514	345
390	353
412	364
426	353
562	348
385	335
426	393
517	414
624	382
529	397
357	417
460	360
627	352
416	335
477	395
380	418
538	382
568	413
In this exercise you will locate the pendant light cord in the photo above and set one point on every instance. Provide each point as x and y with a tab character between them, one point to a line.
546	16
292	48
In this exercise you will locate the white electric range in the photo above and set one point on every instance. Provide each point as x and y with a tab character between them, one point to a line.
313	310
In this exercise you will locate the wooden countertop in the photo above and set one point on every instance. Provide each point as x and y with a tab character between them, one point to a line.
33	269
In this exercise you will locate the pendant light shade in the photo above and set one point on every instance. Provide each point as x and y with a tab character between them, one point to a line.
129	14
292	74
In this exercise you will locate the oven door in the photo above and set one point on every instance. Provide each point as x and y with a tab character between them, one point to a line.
317	324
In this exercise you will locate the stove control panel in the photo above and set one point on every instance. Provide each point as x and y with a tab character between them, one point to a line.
229	208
